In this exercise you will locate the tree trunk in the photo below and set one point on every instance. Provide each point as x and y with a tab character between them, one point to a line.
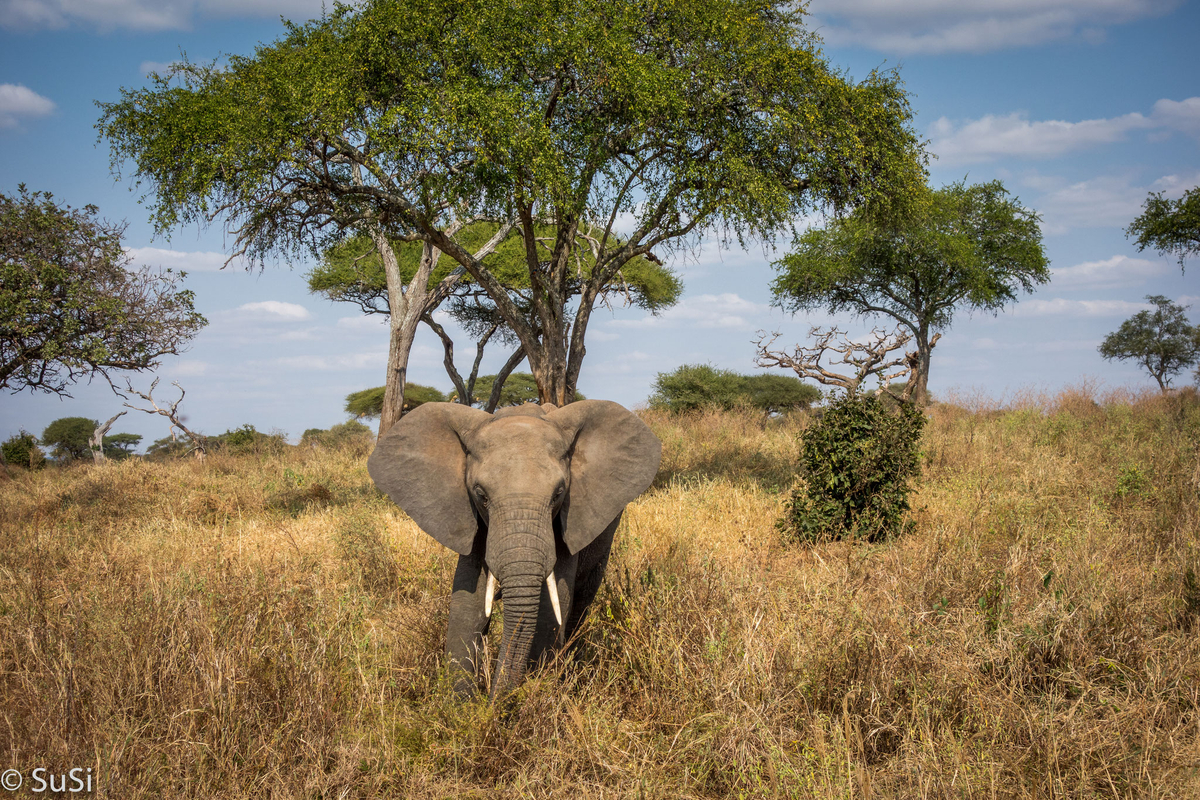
97	440
501	377
925	345
404	314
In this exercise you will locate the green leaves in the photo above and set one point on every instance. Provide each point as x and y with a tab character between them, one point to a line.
1169	226
69	307
857	460
694	386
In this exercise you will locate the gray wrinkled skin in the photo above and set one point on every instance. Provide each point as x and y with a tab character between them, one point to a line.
520	493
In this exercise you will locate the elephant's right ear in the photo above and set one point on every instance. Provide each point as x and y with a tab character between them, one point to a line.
421	464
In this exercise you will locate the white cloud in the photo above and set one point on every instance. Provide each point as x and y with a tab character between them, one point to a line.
17	102
336	363
1060	307
143	15
180	260
602	336
1109	273
1104	201
275	309
1014	135
949	26
705	311
365	322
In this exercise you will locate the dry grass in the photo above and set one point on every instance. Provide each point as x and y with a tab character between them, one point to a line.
269	626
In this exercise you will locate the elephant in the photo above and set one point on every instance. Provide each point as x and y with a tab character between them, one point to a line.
529	498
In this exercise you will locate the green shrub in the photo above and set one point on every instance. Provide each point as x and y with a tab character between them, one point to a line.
246	439
351	432
857	460
22	450
695	386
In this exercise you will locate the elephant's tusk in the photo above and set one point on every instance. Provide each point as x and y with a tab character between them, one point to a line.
552	585
489	594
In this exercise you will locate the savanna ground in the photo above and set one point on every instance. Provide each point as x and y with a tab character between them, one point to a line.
267	625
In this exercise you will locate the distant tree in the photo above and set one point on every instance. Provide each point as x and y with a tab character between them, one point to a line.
957	247
70	307
412	119
517	390
22	450
368	403
776	394
1169	226
352	271
121	445
1161	341
694	386
70	437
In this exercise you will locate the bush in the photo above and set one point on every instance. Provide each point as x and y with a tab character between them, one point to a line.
22	450
695	386
857	461
348	433
247	439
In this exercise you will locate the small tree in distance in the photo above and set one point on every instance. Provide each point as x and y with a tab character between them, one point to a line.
694	386
1161	341
959	246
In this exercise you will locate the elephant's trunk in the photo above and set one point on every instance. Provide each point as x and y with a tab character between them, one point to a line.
521	553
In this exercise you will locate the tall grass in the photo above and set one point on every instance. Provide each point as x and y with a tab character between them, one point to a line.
268	625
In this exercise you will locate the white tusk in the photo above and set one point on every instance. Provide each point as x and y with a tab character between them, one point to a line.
489	594
552	585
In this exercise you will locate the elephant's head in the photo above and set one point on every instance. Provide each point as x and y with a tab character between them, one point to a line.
524	488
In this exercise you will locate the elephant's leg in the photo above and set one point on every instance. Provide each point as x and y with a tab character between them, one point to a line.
464	634
593	560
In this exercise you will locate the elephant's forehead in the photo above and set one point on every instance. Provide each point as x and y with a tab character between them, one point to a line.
517	436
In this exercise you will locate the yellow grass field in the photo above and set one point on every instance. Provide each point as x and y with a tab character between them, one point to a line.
267	625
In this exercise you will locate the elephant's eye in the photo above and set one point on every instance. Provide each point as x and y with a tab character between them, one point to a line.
558	493
481	495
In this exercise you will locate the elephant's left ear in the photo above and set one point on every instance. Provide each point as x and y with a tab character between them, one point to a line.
615	459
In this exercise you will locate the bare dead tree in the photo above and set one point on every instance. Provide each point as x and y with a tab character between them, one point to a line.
869	358
97	440
171	412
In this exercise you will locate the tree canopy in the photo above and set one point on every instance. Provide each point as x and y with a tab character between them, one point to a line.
1169	226
595	118
694	386
69	436
959	246
369	402
69	305
1161	341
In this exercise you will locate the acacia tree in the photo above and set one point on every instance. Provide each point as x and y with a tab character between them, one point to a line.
351	271
69	305
1161	341
959	246
595	118
1169	226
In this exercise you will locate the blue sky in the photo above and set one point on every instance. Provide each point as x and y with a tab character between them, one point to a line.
1081	107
